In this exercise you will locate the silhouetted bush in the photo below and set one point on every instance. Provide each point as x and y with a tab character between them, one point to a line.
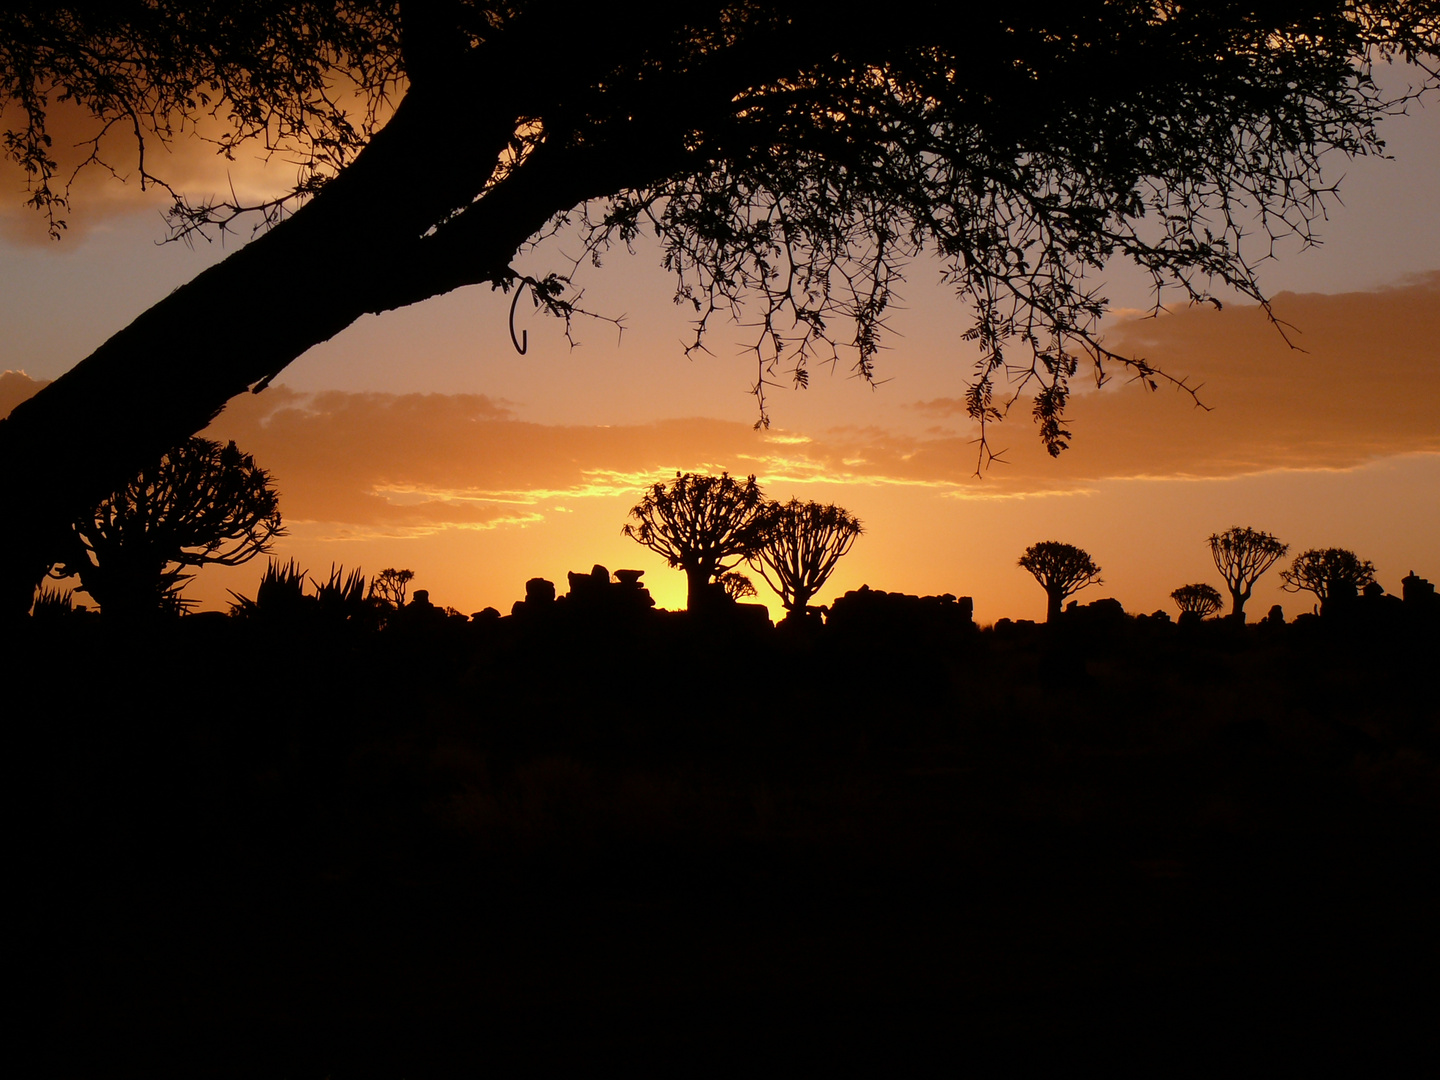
282	600
1199	600
1334	575
201	504
53	604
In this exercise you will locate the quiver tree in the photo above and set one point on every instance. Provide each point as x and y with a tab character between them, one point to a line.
737	586
1062	570
1201	601
390	585
800	545
704	525
1241	555
1330	573
776	153
200	504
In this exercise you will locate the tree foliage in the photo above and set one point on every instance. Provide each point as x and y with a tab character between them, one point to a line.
1202	600
202	503
790	164
800	545
704	525
1328	573
1061	569
271	74
812	158
1242	555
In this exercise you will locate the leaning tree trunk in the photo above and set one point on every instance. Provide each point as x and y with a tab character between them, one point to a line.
372	240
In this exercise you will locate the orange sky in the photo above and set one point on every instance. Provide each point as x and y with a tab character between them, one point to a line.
420	439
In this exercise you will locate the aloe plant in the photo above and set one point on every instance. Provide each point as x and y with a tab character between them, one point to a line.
342	597
53	603
281	594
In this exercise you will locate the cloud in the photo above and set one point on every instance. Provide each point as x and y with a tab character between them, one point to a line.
1367	385
940	407
413	463
1367	388
416	463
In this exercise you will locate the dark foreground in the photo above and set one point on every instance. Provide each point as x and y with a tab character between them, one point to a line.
304	852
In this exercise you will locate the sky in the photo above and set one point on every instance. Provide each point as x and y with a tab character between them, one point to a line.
421	439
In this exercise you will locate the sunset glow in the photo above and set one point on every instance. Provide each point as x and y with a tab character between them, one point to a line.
421	440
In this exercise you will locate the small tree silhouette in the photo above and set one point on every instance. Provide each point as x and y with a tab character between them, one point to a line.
801	544
390	585
1241	555
1062	570
1201	600
1329	573
736	585
201	503
703	525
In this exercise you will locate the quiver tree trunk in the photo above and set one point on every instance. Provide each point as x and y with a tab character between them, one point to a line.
802	600
702	594
1237	603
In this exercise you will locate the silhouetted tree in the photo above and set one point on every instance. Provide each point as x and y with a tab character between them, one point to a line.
703	525
1241	555
390	585
774	149
736	586
202	503
800	545
1329	573
1201	600
1062	570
